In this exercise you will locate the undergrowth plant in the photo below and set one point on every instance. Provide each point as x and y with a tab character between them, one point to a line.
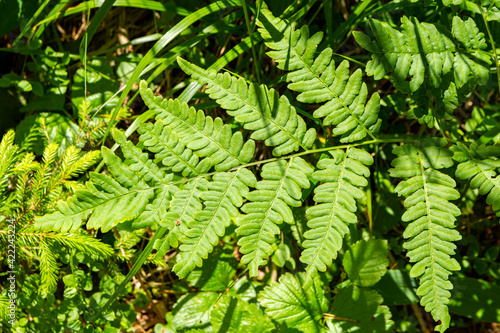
268	205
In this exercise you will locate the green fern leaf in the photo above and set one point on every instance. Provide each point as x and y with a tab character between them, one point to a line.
294	306
149	172
479	165
170	151
342	177
206	137
431	219
259	109
107	201
317	80
280	188
225	193
425	50
185	203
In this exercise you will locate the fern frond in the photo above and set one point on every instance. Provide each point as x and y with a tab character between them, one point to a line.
425	50
259	109
431	217
206	137
149	172
107	201
170	150
185	203
224	196
342	178
280	188
479	165
317	79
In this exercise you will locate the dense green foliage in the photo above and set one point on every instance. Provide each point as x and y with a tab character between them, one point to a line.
288	180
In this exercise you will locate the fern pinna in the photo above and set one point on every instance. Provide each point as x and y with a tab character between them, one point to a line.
443	66
431	218
196	176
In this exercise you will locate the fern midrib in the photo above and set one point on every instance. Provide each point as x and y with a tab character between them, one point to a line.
113	198
255	109
345	106
191	198
435	288
280	187
332	214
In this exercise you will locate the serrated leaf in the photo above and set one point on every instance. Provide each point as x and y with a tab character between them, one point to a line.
342	177
287	302
359	310
258	108
193	311
317	79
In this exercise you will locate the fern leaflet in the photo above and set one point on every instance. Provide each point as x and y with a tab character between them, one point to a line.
108	201
431	217
317	80
171	151
206	137
423	50
149	172
479	164
342	178
280	188
185	203
259	109
225	193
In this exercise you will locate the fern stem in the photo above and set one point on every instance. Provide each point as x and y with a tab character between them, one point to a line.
307	152
492	41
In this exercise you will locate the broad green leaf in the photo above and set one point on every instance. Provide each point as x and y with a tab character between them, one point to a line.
233	315
287	302
476	299
398	288
359	309
366	261
193	311
216	273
